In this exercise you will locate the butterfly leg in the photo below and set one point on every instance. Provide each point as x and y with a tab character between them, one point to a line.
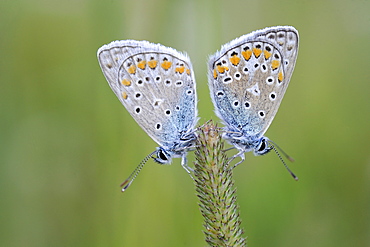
184	164
239	154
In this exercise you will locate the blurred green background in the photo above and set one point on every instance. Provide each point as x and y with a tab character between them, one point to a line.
67	143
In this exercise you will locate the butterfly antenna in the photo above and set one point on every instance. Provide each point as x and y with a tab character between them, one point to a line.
290	158
286	167
133	175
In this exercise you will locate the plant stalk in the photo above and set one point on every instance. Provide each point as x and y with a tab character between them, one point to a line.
215	190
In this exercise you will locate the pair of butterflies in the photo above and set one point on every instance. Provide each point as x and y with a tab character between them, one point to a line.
247	79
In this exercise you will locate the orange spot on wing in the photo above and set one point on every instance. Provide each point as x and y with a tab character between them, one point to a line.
281	76
267	54
166	65
247	54
275	64
132	69
257	52
222	69
141	64
235	60
124	95
188	71
126	82
152	64
180	69
215	73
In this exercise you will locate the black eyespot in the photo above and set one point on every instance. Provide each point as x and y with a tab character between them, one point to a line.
162	155
137	95
236	103
263	146
168	112
247	104
138	110
158	126
269	80
227	79
220	93
139	82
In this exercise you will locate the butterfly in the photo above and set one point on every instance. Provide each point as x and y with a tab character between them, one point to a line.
156	85
248	78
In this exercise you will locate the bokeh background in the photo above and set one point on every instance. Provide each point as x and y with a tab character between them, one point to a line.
67	143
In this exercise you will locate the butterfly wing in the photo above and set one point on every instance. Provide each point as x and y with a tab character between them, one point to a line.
249	76
155	84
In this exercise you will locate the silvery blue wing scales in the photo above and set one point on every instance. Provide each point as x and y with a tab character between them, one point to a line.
157	87
248	78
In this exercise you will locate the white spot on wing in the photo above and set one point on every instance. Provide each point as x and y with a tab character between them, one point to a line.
254	90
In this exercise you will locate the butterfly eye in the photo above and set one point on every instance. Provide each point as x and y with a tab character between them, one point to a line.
262	146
